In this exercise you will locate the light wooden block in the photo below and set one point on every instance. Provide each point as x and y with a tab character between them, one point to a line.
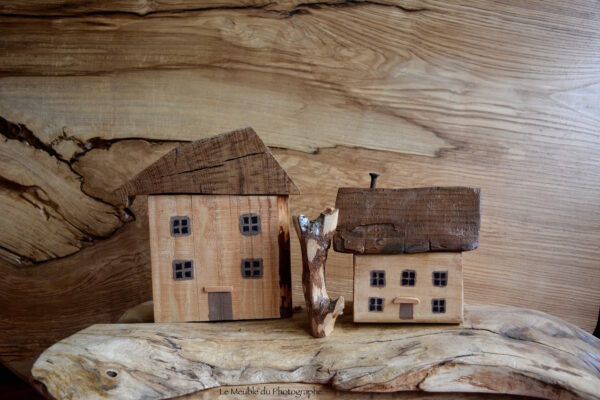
217	249
420	295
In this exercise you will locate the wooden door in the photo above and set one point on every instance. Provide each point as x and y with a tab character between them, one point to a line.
219	306
406	311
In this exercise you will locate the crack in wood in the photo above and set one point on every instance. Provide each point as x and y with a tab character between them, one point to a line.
40	199
270	7
221	164
20	132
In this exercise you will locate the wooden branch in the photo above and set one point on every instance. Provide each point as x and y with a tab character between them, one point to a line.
315	240
496	350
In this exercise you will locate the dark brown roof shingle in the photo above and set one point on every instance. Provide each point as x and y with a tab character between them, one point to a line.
390	221
236	162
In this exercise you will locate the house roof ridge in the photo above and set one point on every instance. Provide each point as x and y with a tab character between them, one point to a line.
235	163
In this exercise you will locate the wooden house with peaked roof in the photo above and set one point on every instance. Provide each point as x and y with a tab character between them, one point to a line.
219	230
407	246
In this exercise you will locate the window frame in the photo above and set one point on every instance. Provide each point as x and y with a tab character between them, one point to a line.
183	270
253	224
379	279
410	281
180	222
441	280
255	264
379	304
438	306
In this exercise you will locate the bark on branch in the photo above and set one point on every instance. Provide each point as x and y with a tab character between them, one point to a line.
315	239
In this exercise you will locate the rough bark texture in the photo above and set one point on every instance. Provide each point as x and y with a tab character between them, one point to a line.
393	221
498	95
236	162
496	350
315	240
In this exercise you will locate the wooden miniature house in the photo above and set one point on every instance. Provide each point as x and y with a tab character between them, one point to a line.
407	246
219	230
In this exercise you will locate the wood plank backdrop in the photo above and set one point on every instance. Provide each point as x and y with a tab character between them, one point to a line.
501	95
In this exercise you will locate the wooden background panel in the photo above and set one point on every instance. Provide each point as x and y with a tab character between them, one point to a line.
497	95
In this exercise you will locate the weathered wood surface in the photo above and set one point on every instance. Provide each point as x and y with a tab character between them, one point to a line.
304	391
236	162
497	95
315	240
496	350
216	247
392	221
423	291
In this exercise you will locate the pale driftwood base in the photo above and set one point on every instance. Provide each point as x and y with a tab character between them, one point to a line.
495	350
313	391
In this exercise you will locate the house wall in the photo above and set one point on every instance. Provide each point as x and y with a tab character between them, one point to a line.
424	264
217	248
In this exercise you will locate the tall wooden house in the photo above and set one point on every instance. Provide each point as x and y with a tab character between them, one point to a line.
407	246
219	230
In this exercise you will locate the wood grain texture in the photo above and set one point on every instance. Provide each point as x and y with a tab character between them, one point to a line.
216	247
497	95
46	215
235	162
324	392
393	221
39	303
315	240
496	350
423	291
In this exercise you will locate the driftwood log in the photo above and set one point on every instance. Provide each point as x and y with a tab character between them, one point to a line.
496	350
315	239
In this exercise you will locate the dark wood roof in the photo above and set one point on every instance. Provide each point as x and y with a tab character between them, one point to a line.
390	221
236	162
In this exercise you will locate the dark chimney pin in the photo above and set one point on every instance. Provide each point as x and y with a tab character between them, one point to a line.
374	176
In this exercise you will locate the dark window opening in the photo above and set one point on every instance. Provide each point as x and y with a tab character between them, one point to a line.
438	306
440	278
408	277
180	226
183	270
249	224
375	304
252	268
378	278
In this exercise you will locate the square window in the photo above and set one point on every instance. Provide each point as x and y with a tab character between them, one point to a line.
249	224
438	306
375	304
252	268
378	278
180	226
408	277
183	270
440	278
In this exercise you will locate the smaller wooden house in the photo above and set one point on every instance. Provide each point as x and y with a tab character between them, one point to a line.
407	246
219	230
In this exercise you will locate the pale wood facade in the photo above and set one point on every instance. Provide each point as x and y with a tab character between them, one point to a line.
416	301
217	248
